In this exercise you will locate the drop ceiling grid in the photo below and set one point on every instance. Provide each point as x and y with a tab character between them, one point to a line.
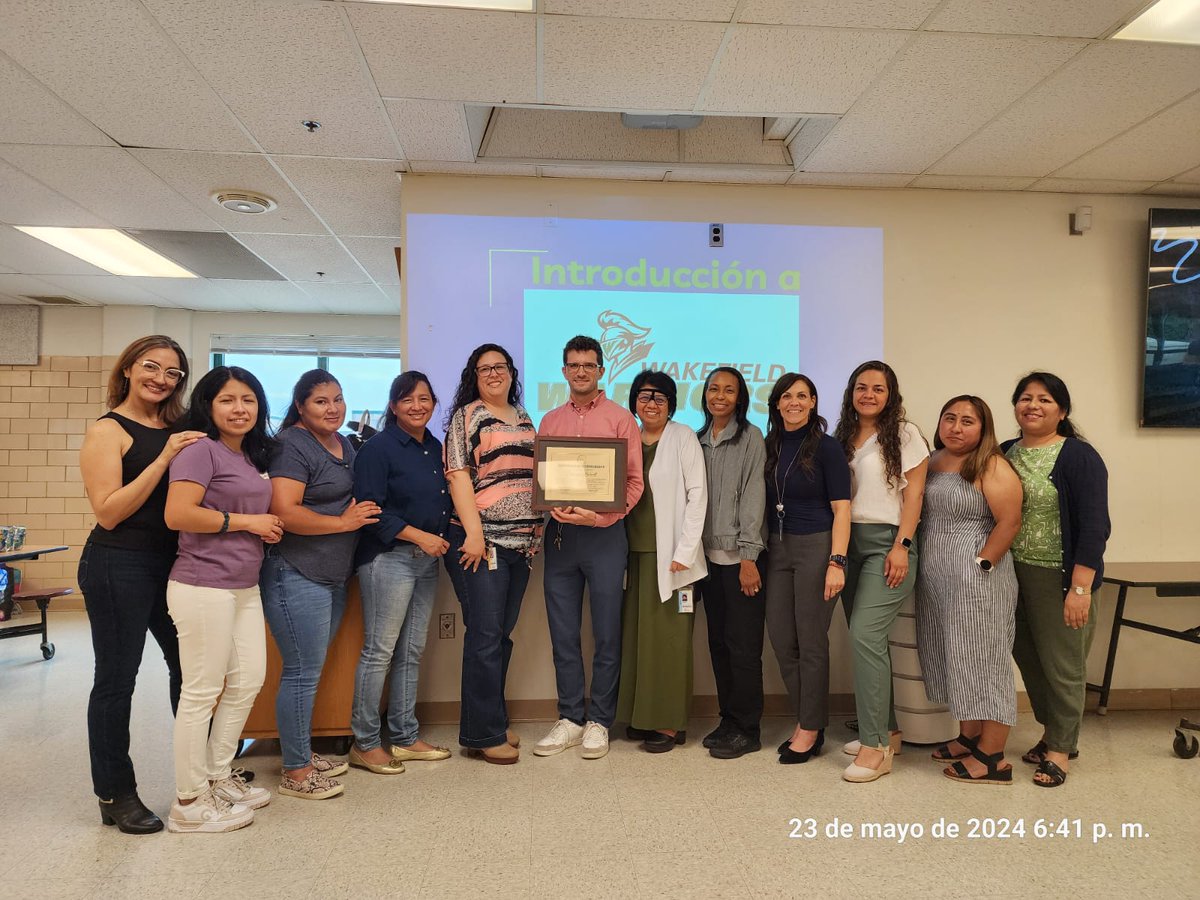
26	201
1062	18
776	71
972	182
625	64
853	179
891	14
298	257
351	299
275	71
483	167
448	54
941	90
110	182
1104	90
18	286
109	61
688	10
1172	189
106	289
535	134
1089	186
377	256
22	253
352	196
432	129
33	114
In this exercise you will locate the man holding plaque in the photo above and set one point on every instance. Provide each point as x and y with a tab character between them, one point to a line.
586	547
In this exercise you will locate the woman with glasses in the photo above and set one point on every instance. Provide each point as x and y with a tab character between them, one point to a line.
666	558
127	560
493	536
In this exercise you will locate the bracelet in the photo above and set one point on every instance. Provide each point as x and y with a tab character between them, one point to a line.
225	524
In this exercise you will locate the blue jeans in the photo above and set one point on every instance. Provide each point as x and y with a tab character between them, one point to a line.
125	592
491	603
398	589
577	556
303	616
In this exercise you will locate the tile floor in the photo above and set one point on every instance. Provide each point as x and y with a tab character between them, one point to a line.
629	825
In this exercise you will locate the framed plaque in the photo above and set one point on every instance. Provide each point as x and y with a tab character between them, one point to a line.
579	471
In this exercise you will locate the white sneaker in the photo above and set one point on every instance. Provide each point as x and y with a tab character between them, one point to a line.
209	812
234	788
595	741
564	734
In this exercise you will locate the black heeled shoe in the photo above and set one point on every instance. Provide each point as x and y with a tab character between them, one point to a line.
130	815
790	757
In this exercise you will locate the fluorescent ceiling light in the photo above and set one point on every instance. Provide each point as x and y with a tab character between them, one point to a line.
510	5
108	249
1168	21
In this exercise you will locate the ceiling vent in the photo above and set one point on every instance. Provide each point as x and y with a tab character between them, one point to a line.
653	122
53	300
244	202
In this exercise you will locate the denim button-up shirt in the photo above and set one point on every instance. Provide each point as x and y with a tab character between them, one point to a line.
406	478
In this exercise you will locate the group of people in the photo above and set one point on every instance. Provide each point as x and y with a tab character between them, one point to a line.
207	525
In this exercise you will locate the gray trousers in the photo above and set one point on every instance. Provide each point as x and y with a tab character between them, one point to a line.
798	619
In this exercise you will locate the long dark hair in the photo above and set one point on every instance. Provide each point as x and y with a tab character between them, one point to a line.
740	410
806	456
979	459
1057	389
258	443
169	410
887	426
308	382
468	382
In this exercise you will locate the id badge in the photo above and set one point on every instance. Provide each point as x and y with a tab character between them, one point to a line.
687	598
491	558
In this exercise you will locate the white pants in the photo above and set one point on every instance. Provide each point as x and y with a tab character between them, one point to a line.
223	654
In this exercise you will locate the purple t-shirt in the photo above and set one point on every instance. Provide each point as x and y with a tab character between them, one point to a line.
231	484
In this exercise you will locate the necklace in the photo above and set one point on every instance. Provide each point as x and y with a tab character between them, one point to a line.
779	508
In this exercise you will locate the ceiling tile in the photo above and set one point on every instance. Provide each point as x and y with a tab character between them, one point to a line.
110	182
1106	89
1065	18
108	60
18	286
21	253
299	257
615	173
33	115
1088	186
432	129
729	175
769	71
721	139
438	167
270	296
940	90
197	175
626	64
570	135
1192	177
692	10
839	13
448	54
190	293
353	196
1173	189
277	66
1159	148
849	179
377	256
117	289
351	299
25	201
971	182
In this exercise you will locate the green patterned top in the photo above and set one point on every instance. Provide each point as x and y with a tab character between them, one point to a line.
1039	542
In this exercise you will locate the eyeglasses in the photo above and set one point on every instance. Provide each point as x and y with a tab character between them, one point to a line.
153	369
497	369
584	367
652	398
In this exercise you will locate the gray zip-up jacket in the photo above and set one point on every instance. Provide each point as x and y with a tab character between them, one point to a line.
736	491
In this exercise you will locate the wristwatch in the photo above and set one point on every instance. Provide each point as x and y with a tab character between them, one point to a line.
904	542
838	560
985	565
1081	591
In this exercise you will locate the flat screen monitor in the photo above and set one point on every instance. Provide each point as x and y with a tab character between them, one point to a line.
1171	373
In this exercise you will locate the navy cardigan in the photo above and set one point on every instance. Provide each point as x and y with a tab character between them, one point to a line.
1081	480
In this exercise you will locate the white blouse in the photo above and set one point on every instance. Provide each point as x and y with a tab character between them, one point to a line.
873	501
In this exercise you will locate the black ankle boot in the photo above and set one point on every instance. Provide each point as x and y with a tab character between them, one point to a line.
130	815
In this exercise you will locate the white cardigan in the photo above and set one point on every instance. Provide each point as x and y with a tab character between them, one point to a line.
680	488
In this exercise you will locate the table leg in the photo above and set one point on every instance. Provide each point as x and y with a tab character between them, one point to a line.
1118	616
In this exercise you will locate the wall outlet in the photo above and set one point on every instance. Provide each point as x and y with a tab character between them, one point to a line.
446	626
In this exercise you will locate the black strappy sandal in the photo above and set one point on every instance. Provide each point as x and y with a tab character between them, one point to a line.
1035	754
942	753
993	775
1051	770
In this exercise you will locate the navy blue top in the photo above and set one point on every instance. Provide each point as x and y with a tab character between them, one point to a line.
406	478
806	495
1081	479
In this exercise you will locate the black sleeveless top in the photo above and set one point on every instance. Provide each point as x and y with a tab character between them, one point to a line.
145	528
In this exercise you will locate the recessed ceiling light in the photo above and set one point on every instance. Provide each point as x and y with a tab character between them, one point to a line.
244	202
1167	21
510	5
110	250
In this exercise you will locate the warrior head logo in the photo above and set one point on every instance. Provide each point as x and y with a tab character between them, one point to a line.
624	342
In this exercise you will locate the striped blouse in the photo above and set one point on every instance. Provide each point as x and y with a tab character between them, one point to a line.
499	458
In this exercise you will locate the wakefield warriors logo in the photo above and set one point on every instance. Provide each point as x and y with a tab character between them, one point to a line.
624	342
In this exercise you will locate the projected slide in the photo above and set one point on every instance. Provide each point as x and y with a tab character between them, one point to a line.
655	294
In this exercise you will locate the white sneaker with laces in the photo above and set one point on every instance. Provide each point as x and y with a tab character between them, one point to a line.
595	741
234	788
564	734
210	812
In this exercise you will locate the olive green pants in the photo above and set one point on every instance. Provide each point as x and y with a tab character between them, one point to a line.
1051	655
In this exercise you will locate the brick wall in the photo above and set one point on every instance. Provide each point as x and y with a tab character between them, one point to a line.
44	411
